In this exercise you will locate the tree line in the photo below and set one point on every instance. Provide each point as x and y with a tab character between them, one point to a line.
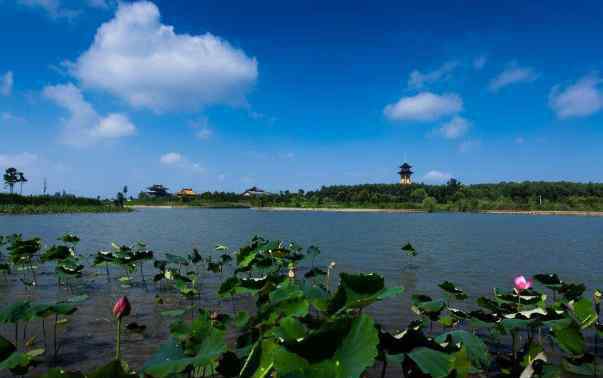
528	195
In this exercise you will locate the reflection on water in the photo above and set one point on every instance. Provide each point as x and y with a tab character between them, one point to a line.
476	252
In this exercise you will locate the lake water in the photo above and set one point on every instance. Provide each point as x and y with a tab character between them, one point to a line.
475	251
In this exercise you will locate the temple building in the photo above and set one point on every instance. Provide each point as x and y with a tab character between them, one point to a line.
405	174
186	193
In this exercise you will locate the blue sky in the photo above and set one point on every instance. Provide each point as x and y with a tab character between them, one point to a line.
222	95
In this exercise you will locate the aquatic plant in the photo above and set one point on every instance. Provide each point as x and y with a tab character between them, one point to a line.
306	326
121	308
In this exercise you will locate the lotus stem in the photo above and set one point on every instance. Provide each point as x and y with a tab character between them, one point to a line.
514	347
44	333
56	320
17	335
118	340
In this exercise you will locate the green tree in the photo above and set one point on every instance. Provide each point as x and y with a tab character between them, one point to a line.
22	180
120	199
429	204
11	177
418	195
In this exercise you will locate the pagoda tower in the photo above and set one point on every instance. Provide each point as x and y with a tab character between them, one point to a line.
405	174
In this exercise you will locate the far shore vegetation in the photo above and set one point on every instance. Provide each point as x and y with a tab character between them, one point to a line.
536	196
452	196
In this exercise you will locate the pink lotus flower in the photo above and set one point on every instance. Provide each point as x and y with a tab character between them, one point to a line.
522	283
122	308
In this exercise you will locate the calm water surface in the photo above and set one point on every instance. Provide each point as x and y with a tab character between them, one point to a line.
475	251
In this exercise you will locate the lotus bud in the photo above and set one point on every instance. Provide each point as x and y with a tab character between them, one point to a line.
522	283
122	308
332	265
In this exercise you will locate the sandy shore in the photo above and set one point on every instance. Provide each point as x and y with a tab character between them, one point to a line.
352	210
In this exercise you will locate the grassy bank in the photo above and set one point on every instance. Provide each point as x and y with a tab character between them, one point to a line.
177	202
60	209
57	204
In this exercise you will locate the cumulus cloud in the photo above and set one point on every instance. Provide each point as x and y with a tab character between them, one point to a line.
581	99
175	159
6	84
418	80
147	64
114	126
455	128
424	107
513	74
84	125
437	177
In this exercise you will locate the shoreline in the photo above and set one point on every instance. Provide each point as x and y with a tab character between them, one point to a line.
377	210
362	210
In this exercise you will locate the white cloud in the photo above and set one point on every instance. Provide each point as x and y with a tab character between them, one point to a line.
114	126
170	158
176	159
21	161
437	177
138	59
6	84
84	125
581	99
455	128
513	74
418	80
480	62
425	106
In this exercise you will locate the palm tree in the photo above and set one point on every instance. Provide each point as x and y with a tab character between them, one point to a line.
11	177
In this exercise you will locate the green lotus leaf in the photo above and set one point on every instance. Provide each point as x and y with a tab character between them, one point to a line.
18	363
15	312
425	305
289	330
57	252
360	290
476	349
583	312
6	348
434	363
551	281
114	369
409	249
584	365
242	319
568	336
450	288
